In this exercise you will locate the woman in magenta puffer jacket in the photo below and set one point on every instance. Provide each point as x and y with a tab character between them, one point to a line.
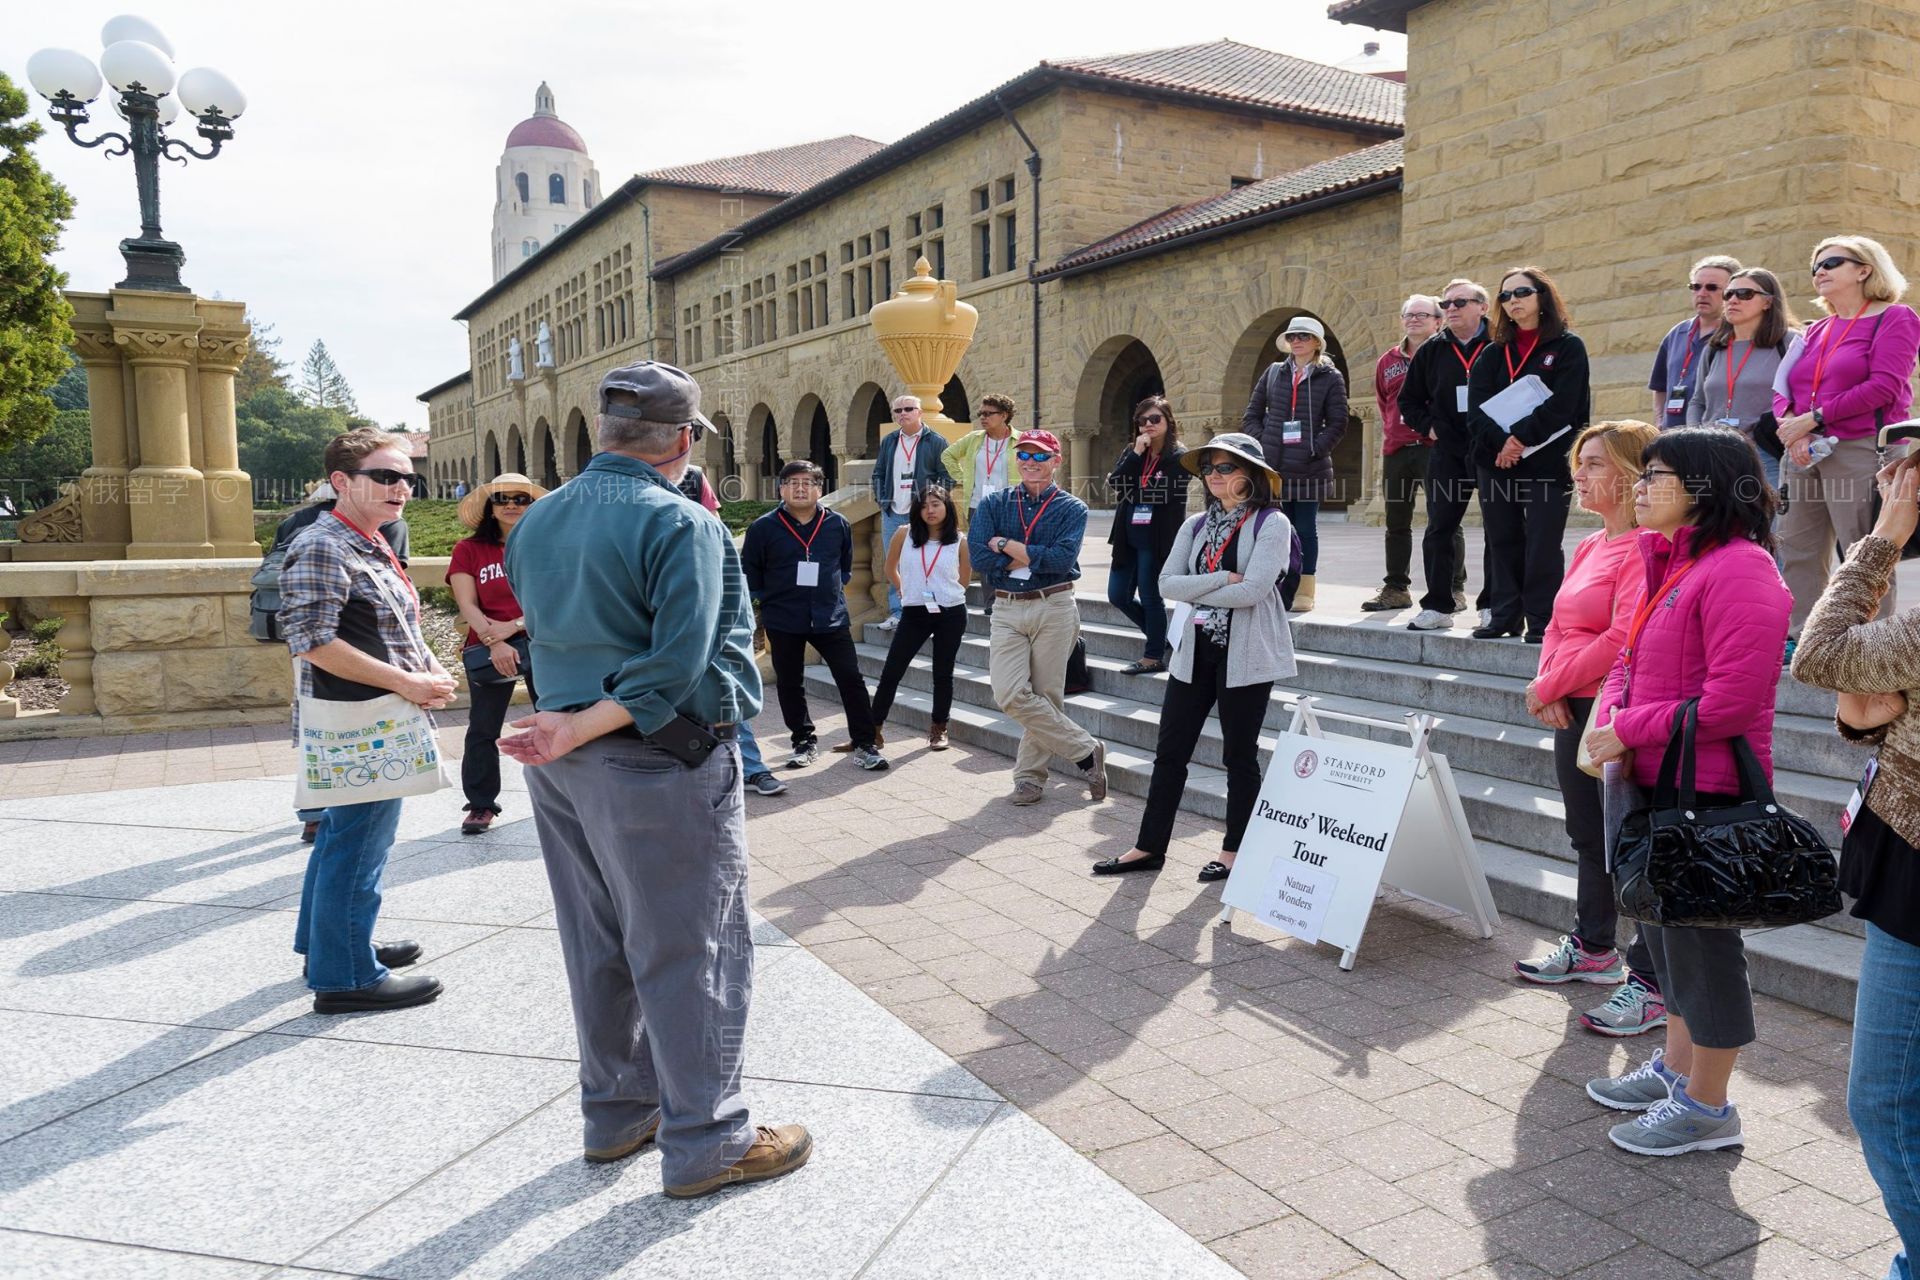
1710	627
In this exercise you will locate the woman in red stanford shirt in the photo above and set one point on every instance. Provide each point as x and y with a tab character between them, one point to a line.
496	649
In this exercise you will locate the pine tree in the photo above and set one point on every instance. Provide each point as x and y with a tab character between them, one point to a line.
34	333
263	366
322	385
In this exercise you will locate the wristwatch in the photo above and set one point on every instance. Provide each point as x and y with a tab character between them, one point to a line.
1819	421
1000	545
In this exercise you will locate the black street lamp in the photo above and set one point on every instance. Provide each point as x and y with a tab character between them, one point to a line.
138	63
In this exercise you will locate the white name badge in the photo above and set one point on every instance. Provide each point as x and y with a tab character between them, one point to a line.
1290	433
1727	422
1024	572
1142	515
1859	795
1460	399
1677	400
806	573
929	603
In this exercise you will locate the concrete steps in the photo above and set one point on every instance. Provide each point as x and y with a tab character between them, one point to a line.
1501	758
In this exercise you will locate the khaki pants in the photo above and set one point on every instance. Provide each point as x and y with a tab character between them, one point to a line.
1031	641
1828	503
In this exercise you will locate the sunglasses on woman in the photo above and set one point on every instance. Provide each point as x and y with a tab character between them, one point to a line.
1744	294
1027	455
1524	291
383	475
1829	264
512	499
1152	420
1220	469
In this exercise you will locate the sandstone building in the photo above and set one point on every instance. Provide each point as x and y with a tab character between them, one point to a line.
1151	221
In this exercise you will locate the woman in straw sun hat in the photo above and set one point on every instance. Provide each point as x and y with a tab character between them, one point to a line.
495	651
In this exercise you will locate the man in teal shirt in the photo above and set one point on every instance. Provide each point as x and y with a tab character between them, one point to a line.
643	636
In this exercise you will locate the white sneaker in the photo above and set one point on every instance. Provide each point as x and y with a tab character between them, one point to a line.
1486	618
888	625
1430	620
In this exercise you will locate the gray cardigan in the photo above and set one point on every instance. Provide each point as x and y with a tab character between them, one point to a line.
1260	645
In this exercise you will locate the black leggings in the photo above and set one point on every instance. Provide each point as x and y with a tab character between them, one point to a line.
480	766
1183	715
948	628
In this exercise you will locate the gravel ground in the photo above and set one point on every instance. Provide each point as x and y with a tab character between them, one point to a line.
444	631
42	693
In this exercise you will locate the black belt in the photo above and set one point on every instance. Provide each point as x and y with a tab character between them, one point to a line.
1041	594
722	732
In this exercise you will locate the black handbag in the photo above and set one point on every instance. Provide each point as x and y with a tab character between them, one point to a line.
480	668
1752	864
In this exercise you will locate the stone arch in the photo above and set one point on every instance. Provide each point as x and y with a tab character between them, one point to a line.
492	455
723	458
869	415
545	455
763	446
578	440
1121	372
1247	362
812	436
514	454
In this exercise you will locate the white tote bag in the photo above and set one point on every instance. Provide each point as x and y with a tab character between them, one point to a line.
359	752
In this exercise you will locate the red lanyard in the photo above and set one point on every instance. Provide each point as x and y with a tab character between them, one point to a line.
926	570
1647	607
1149	464
1466	361
1513	370
1693	336
1826	349
1213	561
1026	525
385	550
1299	376
993	455
911	449
1733	372
806	543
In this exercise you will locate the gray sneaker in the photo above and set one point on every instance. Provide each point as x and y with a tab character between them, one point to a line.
1025	793
869	759
1673	1127
803	756
1097	775
1486	617
1430	620
1644	1086
766	784
1633	1010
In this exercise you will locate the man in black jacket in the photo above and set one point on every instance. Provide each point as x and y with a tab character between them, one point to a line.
1433	403
797	559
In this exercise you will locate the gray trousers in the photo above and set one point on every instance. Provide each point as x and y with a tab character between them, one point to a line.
648	863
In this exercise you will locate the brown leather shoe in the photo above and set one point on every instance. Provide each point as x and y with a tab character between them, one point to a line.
937	735
607	1155
477	821
776	1151
308	832
879	741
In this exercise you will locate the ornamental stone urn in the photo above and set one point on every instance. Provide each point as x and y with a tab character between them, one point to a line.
925	329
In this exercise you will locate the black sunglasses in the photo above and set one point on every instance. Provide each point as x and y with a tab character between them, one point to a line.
1524	291
908	409
384	475
1744	294
1448	304
1829	264
1219	468
512	499
1151	420
1703	288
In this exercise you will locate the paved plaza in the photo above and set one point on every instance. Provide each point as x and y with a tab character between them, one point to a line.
1012	1069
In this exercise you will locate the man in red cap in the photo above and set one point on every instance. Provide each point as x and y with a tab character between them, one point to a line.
1026	543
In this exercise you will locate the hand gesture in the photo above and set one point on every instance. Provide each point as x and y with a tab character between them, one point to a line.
1865	711
1899	502
1142	442
430	689
1509	453
1603	744
549	735
506	658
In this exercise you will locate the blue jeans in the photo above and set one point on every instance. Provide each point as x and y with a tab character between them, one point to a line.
1305	518
1148	612
1883	1087
890	522
309	815
751	765
341	896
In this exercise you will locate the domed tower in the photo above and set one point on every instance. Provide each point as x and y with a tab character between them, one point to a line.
544	182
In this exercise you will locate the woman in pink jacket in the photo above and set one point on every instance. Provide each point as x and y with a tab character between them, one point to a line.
1591	614
1710	627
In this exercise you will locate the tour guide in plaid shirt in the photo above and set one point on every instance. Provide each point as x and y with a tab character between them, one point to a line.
640	621
351	613
1026	543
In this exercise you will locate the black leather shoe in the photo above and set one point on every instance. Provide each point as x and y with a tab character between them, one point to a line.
394	955
1536	637
391	992
1215	870
1498	631
1115	867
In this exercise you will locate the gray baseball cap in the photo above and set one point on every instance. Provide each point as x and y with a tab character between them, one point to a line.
666	394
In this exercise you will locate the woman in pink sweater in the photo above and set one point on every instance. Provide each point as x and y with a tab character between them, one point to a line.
1590	617
1710	627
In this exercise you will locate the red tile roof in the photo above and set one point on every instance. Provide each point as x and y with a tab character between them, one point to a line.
782	171
1269	196
1236	72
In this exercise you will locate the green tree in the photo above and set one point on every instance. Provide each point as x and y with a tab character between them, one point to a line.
34	333
71	391
35	469
263	366
282	438
322	385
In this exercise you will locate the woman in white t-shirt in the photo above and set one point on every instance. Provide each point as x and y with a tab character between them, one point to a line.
927	565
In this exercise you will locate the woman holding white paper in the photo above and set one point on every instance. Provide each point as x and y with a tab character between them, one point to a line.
1527	396
1230	642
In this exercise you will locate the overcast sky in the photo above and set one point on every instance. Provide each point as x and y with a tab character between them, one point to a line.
355	202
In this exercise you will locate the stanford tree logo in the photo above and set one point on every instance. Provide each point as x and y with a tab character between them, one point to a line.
1304	764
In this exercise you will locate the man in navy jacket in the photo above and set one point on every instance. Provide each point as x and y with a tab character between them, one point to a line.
908	461
798	558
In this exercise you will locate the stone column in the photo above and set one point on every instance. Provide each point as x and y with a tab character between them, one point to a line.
1076	454
223	345
750	480
166	493
103	486
76	637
